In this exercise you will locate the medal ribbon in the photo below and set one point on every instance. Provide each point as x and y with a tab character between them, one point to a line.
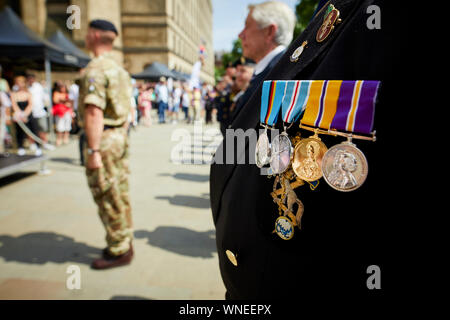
271	98
294	100
341	105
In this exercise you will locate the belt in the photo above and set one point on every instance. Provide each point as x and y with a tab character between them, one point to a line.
106	127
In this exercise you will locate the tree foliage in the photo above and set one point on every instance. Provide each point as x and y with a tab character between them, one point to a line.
304	12
229	57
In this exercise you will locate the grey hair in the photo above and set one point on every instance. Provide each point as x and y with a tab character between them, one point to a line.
279	14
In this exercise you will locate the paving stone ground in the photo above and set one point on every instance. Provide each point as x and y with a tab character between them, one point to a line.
49	223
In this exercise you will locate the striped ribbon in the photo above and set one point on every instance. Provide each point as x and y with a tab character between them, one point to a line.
271	98
294	100
341	105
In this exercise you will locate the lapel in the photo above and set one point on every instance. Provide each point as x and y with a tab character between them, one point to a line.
283	70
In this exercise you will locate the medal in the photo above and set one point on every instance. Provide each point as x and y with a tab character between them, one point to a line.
344	167
262	151
308	156
271	98
281	153
284	228
292	107
339	107
288	203
330	18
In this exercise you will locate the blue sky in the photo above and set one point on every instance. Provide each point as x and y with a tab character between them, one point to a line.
228	20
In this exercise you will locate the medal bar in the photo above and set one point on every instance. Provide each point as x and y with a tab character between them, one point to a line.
334	132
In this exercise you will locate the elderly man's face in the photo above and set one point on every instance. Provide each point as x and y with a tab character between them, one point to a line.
254	39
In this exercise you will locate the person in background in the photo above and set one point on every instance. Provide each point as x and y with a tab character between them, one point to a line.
132	119
22	104
162	98
221	104
4	86
62	112
196	107
39	101
145	104
209	105
186	101
176	96
244	72
5	105
105	96
74	92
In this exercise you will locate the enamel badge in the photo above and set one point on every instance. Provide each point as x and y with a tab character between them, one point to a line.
296	54
331	17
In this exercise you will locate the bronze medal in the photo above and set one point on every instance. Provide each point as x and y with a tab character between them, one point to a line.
307	160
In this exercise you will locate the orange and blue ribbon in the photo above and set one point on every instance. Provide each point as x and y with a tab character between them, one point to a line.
271	98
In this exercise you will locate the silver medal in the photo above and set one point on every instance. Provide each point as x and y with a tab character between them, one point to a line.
281	150
344	167
262	150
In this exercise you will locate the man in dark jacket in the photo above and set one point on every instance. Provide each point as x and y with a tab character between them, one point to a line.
343	234
268	30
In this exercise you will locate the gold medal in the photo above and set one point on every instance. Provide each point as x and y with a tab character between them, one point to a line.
344	167
307	160
331	17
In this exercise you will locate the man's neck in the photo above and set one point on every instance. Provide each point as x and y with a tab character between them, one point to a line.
98	51
263	63
265	53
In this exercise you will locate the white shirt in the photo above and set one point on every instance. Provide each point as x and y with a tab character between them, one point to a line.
38	98
162	93
262	64
74	92
177	95
4	101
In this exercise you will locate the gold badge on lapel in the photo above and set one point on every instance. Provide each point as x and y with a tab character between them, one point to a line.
331	17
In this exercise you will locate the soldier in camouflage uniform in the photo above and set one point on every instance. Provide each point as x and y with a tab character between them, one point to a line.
105	96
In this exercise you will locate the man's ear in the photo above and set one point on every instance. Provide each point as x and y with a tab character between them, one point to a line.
272	31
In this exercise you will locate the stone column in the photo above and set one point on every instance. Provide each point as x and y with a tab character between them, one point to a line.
34	15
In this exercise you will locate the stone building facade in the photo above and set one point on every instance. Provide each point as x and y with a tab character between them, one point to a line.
166	31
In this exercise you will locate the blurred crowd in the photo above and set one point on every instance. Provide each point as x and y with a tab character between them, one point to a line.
174	101
171	101
30	117
25	112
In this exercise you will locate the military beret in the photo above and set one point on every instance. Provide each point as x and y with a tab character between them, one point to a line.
103	25
244	61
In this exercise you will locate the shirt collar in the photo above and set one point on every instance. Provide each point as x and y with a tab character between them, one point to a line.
262	64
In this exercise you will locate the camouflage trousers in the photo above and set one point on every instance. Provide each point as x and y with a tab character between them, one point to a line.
109	187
